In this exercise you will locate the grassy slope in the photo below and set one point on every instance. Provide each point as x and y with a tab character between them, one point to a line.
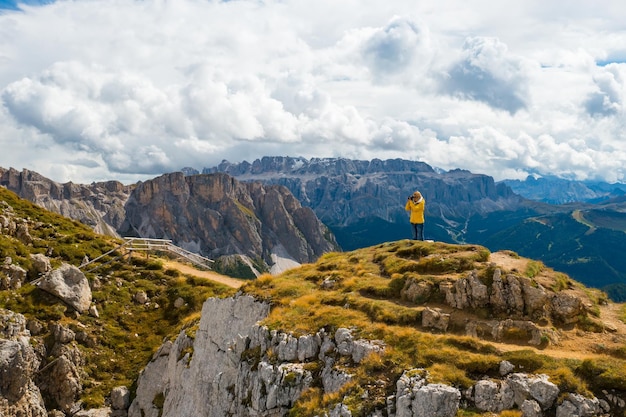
122	340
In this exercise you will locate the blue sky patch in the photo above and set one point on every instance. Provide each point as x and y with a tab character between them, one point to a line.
14	5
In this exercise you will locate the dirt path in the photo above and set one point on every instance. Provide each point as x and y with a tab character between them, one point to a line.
213	276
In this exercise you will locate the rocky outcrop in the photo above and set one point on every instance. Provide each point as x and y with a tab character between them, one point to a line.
35	379
466	293
508	330
234	366
575	405
99	205
513	296
217	215
69	284
41	263
19	396
517	390
516	305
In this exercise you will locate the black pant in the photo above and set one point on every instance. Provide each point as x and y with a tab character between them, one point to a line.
418	231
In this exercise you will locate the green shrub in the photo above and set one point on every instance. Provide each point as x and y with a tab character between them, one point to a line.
533	268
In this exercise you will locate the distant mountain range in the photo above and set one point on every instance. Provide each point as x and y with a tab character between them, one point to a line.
363	204
555	190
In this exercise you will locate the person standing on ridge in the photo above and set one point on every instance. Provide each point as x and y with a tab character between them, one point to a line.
416	205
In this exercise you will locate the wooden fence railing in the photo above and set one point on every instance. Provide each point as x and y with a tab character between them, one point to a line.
132	244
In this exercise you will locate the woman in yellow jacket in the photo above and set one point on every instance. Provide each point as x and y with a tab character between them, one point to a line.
416	204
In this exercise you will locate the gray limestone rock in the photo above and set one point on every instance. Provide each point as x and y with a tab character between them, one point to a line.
23	234
340	410
308	347
152	383
70	285
62	334
416	398
493	396
575	405
41	263
531	408
435	319
536	388
141	297
543	391
416	291
506	368
19	396
287	349
467	292
61	382
566	308
120	398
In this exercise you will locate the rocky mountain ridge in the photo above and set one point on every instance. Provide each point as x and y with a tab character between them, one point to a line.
99	205
555	190
343	191
249	229
217	215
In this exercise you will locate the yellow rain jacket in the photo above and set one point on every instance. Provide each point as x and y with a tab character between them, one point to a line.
416	209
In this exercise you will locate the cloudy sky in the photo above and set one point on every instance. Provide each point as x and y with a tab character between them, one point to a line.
94	90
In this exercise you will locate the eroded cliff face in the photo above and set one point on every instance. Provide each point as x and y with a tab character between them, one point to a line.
214	215
99	205
234	366
218	215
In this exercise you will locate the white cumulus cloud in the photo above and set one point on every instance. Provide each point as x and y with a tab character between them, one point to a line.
129	89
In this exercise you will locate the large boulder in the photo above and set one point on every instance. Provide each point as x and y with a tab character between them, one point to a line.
70	285
536	388
417	398
566	308
493	396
